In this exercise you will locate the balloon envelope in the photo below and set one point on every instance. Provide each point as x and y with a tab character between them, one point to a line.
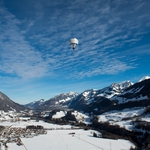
73	42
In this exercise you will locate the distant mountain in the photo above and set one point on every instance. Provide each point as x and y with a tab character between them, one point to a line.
116	96
35	104
7	104
61	100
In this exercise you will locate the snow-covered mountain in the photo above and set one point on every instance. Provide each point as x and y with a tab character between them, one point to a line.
92	96
144	78
137	92
115	96
114	89
35	104
58	101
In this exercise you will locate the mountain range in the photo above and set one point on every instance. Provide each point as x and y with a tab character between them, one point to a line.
116	96
59	101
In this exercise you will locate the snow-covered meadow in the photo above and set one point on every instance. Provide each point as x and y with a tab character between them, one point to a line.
123	118
64	137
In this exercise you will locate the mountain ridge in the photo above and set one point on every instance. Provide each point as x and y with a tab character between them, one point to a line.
53	103
92	97
7	104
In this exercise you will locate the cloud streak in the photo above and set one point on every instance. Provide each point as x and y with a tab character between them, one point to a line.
18	57
41	49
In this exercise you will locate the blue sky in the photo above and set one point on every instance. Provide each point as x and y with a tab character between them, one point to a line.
37	62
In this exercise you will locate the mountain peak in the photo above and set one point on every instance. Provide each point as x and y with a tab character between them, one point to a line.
64	95
144	78
121	86
125	84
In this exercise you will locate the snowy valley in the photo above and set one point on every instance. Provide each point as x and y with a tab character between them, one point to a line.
113	118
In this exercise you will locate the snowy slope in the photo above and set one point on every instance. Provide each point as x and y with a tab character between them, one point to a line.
93	97
137	92
144	78
60	100
65	97
107	92
114	89
10	115
123	118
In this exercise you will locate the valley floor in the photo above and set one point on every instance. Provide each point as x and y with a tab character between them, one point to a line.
64	137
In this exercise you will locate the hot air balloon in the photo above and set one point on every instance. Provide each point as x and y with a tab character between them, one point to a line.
73	43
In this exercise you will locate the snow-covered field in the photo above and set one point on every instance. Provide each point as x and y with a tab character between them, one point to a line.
118	117
60	139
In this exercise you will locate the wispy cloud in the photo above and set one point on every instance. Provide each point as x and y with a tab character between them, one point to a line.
102	28
18	56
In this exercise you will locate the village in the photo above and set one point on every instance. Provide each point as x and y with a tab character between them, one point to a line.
10	134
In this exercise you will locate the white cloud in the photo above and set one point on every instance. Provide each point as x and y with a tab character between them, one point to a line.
102	28
18	57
